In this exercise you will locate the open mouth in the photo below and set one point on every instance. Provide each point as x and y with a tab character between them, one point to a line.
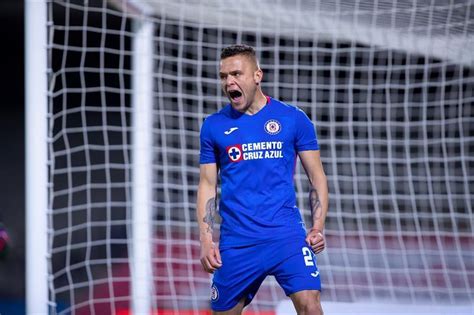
234	94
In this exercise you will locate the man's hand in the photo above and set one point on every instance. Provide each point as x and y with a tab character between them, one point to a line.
315	239
210	256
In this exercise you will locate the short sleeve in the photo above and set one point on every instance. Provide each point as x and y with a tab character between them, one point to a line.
305	133
207	153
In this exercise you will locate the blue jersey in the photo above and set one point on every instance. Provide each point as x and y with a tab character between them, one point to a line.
256	156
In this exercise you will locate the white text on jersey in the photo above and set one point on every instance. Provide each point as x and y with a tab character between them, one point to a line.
255	151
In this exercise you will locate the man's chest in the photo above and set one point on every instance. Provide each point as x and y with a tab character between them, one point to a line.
258	139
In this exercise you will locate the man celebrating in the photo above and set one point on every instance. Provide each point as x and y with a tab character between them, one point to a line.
253	142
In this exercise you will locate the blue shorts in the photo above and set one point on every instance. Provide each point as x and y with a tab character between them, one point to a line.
243	270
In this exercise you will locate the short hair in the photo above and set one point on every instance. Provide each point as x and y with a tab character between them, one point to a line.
242	50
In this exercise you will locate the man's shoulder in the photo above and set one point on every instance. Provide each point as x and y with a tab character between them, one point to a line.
286	107
218	116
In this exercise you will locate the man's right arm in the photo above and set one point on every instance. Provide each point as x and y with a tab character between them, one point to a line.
206	212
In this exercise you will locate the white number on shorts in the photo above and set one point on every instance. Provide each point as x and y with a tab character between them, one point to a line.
308	256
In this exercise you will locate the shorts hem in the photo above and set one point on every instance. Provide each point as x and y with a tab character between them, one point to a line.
220	309
302	289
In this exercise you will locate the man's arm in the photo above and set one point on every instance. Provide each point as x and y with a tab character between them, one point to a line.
318	197
206	211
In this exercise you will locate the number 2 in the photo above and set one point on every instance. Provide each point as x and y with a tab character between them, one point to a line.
308	256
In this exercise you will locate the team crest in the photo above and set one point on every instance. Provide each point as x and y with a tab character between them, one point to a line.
235	152
214	293
272	127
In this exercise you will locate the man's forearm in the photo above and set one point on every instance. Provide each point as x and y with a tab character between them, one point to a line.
209	216
206	212
318	200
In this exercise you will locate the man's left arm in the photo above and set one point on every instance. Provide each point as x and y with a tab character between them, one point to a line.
318	197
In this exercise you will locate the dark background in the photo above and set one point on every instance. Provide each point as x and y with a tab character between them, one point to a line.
12	174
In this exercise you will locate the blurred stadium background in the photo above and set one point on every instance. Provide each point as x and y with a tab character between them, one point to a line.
389	85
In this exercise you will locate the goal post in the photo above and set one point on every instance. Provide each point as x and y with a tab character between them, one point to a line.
36	159
389	87
142	129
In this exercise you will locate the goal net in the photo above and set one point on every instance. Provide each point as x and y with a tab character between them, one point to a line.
388	84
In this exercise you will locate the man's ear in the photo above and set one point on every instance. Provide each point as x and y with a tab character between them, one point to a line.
258	76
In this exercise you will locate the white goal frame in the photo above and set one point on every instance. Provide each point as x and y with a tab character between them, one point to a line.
36	106
140	242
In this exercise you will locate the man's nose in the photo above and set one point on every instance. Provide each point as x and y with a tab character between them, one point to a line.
230	80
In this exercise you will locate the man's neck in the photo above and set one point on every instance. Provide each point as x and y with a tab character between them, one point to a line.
259	102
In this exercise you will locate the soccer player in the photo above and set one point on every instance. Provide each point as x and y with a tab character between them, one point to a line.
252	143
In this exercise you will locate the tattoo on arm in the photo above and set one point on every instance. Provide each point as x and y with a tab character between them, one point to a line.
209	217
315	204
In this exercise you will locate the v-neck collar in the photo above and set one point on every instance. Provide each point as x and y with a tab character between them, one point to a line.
237	114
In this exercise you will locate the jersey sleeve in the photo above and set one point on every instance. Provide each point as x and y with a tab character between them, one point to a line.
207	152
305	133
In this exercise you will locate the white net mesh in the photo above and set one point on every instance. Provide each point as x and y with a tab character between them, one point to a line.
389	85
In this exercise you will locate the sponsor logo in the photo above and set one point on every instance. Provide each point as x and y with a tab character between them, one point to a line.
272	127
231	130
235	152
214	293
315	274
255	151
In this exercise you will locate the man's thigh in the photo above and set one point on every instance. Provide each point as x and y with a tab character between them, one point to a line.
296	269
238	279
